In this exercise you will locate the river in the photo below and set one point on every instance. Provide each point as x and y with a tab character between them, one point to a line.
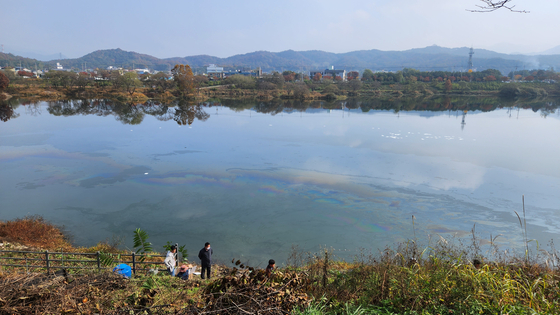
256	178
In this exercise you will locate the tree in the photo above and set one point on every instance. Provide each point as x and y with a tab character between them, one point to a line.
355	84
276	79
289	76
241	81
4	81
129	81
6	112
317	76
61	78
352	75
368	75
25	74
183	77
448	85
200	80
493	5
82	80
161	82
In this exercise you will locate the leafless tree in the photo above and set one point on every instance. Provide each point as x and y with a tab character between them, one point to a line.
493	5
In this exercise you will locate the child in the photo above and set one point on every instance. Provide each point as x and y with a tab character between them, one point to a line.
271	266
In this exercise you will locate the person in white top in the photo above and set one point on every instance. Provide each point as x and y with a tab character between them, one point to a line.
171	260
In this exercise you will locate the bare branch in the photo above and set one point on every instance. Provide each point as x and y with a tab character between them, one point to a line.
492	5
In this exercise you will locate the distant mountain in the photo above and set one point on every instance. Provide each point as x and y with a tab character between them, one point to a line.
428	58
552	51
38	56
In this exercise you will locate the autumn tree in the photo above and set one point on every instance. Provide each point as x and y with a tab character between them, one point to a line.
200	80
317	76
4	81
448	85
183	77
25	74
289	76
352	75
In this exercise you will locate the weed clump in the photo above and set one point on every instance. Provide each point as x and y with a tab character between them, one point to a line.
34	231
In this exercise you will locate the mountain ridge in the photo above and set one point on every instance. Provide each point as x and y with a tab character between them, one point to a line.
431	58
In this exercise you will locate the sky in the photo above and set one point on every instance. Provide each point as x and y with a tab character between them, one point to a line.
222	28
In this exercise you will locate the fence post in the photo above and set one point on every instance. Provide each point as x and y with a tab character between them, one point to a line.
98	262
48	262
134	263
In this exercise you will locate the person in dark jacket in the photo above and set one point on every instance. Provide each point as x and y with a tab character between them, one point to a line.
205	256
271	266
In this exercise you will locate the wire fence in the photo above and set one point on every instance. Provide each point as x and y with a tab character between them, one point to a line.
47	261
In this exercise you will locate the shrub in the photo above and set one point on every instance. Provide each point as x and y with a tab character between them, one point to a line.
33	231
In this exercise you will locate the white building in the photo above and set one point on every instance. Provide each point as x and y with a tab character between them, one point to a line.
212	68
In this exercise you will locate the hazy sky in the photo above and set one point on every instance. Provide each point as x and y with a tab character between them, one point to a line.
222	28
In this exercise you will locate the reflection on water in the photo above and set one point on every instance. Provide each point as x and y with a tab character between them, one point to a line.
257	177
184	112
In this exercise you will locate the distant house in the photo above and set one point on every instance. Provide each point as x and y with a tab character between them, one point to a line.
142	71
252	73
215	72
329	72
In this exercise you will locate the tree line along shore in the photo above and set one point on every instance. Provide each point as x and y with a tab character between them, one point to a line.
181	83
447	276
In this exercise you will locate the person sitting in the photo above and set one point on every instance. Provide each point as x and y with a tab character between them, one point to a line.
271	266
477	264
184	272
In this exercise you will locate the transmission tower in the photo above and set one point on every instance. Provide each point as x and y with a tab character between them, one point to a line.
471	52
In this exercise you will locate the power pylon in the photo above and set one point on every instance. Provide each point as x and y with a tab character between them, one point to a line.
471	53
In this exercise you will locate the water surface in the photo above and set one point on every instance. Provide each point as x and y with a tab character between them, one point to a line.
254	177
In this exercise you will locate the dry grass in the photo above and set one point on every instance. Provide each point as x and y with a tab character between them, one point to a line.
34	231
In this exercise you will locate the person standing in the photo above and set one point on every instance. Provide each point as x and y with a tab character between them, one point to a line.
171	260
205	256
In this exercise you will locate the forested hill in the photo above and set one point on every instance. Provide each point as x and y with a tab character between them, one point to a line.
428	58
16	61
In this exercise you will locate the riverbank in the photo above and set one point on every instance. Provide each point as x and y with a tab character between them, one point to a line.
438	278
33	89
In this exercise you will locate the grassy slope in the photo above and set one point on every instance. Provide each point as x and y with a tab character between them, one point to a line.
395	281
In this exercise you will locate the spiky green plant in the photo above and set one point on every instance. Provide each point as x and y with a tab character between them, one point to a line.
141	243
